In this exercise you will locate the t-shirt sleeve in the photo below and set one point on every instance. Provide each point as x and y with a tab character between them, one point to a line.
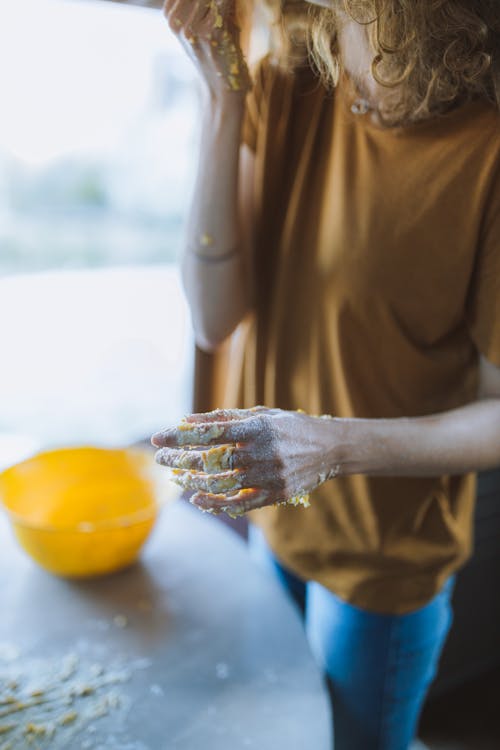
254	104
483	309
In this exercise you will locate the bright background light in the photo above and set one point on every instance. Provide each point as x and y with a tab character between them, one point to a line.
75	75
97	156
98	135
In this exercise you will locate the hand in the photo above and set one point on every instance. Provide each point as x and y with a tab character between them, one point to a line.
242	459
208	32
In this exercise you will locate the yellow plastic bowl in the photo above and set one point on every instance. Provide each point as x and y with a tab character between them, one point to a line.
82	512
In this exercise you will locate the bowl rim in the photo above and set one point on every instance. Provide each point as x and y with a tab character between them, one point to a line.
150	513
147	513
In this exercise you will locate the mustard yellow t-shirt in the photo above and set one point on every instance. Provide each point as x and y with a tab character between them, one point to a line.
377	264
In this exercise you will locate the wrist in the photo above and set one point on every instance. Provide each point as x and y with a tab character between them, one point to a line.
225	103
328	434
386	447
354	446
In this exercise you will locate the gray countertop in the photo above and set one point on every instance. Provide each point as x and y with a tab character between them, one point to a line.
192	648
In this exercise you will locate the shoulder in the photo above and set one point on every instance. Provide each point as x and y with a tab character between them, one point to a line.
480	123
482	130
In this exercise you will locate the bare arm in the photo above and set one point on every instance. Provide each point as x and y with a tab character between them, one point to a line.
217	276
215	265
454	442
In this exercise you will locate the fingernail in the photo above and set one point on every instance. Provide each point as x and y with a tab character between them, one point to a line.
156	440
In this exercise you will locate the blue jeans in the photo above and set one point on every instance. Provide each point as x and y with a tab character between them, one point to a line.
378	667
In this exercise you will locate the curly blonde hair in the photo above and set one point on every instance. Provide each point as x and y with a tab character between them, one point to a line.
433	55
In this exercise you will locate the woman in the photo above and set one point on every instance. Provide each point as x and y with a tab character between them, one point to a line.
354	219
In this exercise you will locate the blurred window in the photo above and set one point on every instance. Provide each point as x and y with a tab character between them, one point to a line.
97	155
97	135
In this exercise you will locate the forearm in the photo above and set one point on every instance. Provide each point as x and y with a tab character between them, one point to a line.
454	442
213	266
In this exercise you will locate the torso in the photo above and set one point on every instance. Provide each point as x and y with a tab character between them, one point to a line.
366	250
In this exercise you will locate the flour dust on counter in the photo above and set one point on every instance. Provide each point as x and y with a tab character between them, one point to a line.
55	702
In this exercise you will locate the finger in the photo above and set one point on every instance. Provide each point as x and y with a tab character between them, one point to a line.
224	415
179	15
188	16
237	504
175	458
168	6
236	431
201	11
213	461
226	7
197	12
216	484
186	434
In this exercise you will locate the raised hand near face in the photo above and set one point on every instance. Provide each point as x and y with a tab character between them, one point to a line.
208	31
